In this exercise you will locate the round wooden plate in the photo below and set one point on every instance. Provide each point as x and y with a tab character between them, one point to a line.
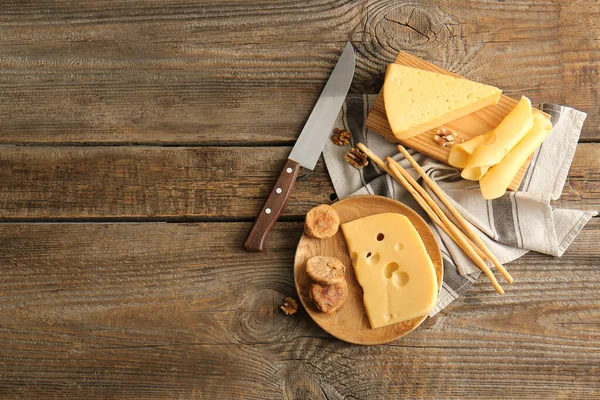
350	322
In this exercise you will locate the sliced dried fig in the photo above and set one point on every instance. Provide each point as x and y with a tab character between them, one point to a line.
325	270
322	222
329	298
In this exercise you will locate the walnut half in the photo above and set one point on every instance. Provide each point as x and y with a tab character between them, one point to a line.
289	306
445	137
356	158
341	137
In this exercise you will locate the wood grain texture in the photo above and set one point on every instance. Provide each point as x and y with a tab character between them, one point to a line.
350	322
206	72
173	183
159	310
135	182
177	310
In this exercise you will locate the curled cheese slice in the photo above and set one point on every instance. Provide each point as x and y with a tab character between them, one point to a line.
475	173
460	153
495	182
506	135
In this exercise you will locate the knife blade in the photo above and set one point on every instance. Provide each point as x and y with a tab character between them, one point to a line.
308	147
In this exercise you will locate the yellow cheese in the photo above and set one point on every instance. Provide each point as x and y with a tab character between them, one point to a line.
460	153
392	266
474	173
417	100
504	137
495	182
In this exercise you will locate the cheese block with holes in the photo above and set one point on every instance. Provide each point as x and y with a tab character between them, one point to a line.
393	268
417	101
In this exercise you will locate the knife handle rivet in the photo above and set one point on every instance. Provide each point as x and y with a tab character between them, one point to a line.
268	211
278	190
289	170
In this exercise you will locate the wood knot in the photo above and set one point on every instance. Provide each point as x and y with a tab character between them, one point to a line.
423	29
409	26
259	319
300	383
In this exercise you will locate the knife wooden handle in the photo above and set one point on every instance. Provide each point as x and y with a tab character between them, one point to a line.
273	207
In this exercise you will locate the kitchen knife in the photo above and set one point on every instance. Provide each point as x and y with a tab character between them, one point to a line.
308	147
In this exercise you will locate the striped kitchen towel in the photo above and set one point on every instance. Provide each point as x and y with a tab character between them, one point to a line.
510	226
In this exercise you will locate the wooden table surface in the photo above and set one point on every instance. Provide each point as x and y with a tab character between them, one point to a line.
139	140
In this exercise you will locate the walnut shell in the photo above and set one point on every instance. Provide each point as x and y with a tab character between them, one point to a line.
325	270
329	298
322	222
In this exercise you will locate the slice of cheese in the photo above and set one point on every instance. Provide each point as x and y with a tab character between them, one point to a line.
460	153
392	266
417	100
504	137
495	182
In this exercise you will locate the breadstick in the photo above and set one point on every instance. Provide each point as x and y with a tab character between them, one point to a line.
467	229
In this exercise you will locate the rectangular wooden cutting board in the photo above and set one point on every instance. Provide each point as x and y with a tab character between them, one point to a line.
467	127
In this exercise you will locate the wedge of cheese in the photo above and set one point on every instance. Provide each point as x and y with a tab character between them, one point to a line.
417	100
503	138
495	182
392	266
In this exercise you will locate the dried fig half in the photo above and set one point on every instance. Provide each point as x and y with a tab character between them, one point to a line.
325	270
322	222
329	298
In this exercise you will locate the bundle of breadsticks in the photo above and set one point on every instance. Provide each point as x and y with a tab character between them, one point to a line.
454	224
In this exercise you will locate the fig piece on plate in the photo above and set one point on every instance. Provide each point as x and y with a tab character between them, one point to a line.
321	222
329	298
325	270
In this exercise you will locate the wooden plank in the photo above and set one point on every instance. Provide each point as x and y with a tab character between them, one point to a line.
465	128
581	188
136	182
159	310
205	72
171	183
